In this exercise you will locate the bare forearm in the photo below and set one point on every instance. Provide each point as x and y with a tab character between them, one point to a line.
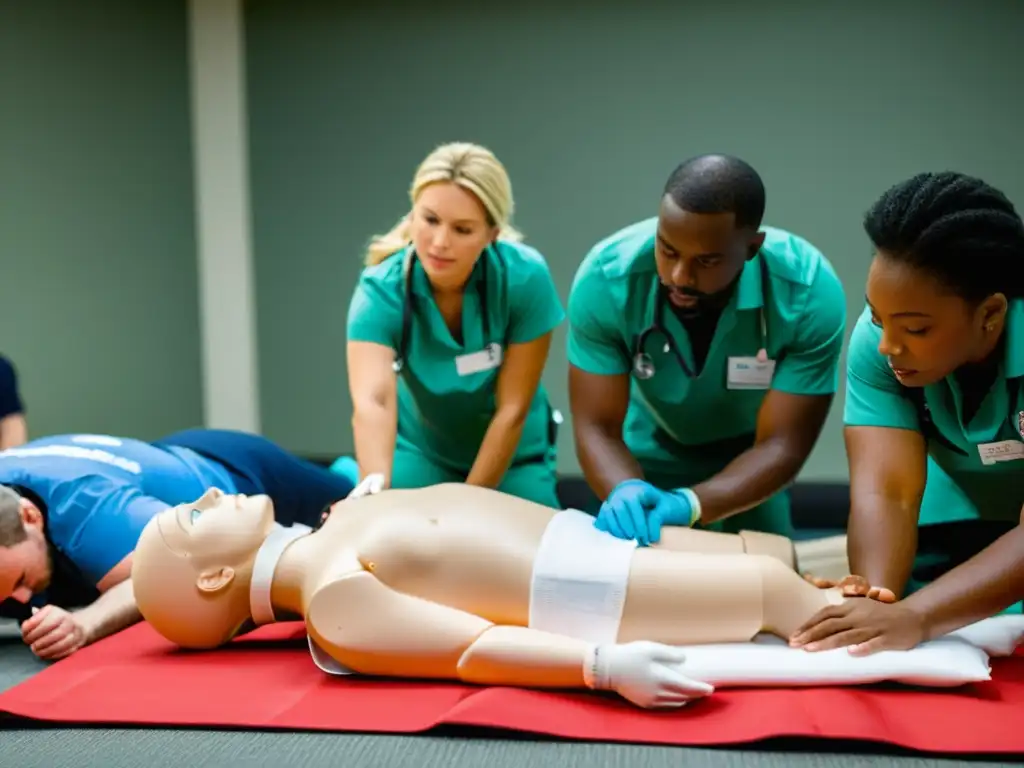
497	449
113	611
604	459
520	656
986	584
13	431
752	477
882	541
375	429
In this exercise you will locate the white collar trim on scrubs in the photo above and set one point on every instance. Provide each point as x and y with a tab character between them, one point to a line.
267	558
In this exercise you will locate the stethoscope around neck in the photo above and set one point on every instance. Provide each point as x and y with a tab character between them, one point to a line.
408	308
643	363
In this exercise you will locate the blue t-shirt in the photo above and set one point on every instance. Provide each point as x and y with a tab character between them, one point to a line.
10	400
98	491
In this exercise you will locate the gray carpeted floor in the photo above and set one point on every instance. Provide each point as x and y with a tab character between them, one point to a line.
28	747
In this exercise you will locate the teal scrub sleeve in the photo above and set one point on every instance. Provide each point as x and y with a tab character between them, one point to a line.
375	311
535	306
595	344
874	397
101	525
810	364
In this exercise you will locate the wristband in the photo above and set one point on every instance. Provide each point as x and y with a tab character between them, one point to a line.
694	504
594	673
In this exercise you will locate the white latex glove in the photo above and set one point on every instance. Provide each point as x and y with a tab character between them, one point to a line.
369	485
647	674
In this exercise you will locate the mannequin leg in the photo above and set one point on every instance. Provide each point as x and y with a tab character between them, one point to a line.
679	539
684	599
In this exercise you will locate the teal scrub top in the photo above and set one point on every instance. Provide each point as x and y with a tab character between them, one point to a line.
960	485
442	411
707	420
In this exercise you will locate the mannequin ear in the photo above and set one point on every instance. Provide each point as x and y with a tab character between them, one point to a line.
216	579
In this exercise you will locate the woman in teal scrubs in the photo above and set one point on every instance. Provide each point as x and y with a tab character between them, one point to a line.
448	335
934	404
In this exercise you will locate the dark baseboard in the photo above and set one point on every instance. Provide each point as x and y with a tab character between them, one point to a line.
815	506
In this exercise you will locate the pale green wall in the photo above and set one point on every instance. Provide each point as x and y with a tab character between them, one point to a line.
98	304
590	110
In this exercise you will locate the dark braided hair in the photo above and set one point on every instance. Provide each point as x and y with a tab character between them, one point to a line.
718	184
956	227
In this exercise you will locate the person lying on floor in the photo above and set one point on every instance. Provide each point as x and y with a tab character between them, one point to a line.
988	583
462	582
72	508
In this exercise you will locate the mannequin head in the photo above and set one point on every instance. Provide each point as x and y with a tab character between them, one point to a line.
192	567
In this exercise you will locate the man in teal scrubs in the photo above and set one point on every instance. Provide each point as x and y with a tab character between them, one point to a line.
934	407
704	353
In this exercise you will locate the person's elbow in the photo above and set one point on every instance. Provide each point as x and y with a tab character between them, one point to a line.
373	404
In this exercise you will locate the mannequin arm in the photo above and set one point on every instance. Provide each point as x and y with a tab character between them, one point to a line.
373	630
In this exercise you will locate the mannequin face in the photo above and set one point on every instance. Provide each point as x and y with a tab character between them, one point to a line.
191	568
217	526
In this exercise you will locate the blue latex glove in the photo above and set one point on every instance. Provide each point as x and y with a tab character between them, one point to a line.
635	509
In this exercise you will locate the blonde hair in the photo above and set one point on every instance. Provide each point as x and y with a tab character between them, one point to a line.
472	167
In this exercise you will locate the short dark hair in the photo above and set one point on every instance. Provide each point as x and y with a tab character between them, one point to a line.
964	232
718	184
12	530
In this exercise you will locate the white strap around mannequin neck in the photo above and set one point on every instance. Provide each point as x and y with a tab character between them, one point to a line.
260	605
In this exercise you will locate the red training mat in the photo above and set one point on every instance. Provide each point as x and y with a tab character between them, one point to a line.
136	677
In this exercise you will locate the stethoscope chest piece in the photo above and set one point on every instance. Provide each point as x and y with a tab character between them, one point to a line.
643	366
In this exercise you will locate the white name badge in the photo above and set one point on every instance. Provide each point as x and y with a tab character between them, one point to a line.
477	362
1004	450
749	373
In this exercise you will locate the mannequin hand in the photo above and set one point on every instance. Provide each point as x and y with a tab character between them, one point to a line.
53	633
635	509
647	674
865	626
368	486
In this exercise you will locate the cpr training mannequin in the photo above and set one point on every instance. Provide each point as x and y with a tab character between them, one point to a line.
463	582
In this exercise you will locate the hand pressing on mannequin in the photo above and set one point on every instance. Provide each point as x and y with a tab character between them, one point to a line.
635	509
863	627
